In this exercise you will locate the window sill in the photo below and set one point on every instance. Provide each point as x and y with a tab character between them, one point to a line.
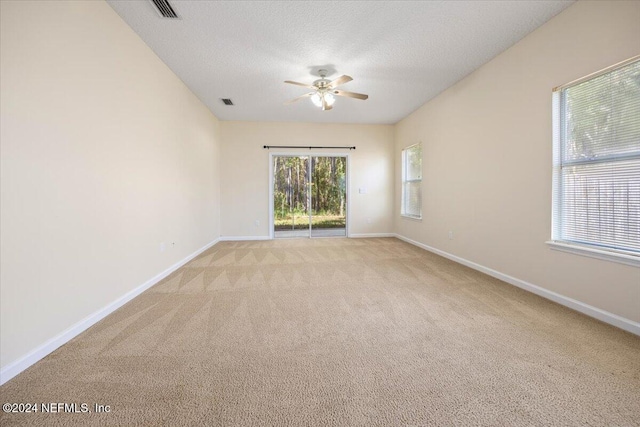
602	254
412	218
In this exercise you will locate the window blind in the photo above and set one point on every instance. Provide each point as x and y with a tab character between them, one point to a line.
596	185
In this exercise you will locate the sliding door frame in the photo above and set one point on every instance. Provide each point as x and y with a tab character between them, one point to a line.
309	154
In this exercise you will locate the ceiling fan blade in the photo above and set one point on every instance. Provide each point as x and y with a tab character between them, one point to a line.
350	94
306	95
340	81
299	84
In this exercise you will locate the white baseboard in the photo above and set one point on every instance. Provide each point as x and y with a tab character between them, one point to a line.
242	238
13	369
354	236
602	315
368	235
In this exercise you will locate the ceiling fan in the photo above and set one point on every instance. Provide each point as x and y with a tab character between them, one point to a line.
324	91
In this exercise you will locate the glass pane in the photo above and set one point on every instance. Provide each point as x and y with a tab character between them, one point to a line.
603	116
412	196
602	204
414	162
328	196
290	196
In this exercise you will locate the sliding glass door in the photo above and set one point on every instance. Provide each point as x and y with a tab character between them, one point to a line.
328	196
291	196
309	196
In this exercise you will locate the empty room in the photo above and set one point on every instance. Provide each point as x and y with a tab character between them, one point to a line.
311	213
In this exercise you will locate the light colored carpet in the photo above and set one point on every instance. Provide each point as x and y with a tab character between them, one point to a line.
337	332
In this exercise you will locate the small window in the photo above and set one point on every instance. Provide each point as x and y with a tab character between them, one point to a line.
412	181
596	167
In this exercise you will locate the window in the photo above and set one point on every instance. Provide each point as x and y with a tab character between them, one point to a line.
596	182
412	181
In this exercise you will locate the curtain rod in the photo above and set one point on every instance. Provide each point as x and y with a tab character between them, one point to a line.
310	148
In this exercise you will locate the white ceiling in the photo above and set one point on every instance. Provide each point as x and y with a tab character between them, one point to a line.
400	53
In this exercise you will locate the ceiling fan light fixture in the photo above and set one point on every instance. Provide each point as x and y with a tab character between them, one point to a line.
321	98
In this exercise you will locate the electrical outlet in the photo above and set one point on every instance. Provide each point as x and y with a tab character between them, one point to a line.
369	221
162	247
450	235
257	223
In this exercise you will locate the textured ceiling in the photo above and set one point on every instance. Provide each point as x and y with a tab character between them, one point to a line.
400	53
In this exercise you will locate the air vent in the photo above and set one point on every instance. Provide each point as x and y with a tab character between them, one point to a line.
227	101
165	9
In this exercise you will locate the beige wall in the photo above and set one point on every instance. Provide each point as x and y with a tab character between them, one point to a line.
105	154
245	172
487	158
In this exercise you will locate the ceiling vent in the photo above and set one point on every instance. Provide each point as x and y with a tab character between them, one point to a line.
227	101
165	9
